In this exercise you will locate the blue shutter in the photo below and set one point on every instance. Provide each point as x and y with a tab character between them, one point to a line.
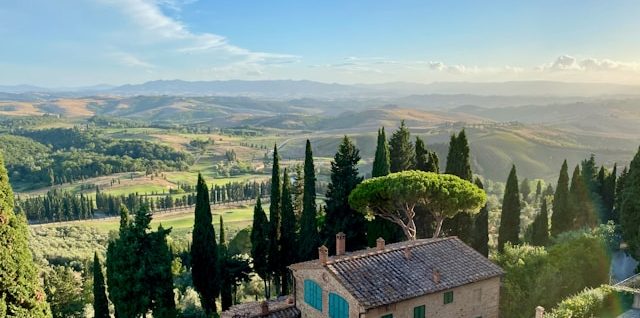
313	294
338	307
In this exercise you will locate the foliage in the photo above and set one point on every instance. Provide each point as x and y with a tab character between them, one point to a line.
401	150
562	217
459	164
20	288
100	302
309	240
539	276
275	211
510	218
226	290
395	196
581	203
379	227
63	287
288	238
340	217
540	226
480	238
630	205
204	251
588	303
260	244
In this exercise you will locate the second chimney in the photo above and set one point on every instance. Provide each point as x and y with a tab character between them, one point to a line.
323	253
380	244
341	242
436	276
264	308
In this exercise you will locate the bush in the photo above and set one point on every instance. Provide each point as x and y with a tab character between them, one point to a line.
591	302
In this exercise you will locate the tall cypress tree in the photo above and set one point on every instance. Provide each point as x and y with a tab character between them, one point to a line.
459	164
401	150
481	227
204	251
274	220
381	163
226	288
630	205
379	227
160	277
510	218
540	226
340	217
581	205
288	238
20	292
260	245
100	302
562	218
609	194
309	238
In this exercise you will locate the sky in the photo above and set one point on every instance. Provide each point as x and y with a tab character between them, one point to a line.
66	43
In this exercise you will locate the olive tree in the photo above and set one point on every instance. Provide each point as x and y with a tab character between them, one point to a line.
394	197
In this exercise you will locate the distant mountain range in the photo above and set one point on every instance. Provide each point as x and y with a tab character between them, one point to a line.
286	89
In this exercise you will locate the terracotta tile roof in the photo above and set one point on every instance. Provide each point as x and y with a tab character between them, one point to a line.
278	308
386	277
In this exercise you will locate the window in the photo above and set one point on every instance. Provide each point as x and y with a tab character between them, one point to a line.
387	316
419	312
338	307
313	294
448	297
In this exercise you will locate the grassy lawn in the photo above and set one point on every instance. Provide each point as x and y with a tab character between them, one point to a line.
234	218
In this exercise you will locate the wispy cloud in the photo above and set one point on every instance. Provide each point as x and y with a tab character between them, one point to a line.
128	59
570	63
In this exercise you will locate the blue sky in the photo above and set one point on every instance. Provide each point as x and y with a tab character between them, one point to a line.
86	42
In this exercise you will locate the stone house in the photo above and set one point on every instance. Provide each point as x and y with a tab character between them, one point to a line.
440	277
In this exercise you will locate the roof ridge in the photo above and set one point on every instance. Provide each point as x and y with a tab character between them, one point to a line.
373	252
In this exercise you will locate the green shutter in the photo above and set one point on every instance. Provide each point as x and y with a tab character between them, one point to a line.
387	316
419	312
448	297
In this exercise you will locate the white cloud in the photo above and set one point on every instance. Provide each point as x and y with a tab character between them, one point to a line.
128	59
570	63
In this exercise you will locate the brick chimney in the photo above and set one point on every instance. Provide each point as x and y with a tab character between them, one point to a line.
436	276
539	312
380	244
264	308
323	254
341	242
407	252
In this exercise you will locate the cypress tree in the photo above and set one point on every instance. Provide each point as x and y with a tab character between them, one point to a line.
379	227
434	162
525	189
226	289
401	152
340	217
581	206
298	193
381	163
609	194
459	158
260	245
630	205
481	228
510	218
100	302
562	218
275	210
459	164
309	238
540	226
160	278
287	234
538	190
204	251
20	292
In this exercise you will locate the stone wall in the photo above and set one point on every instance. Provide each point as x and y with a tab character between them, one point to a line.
480	299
